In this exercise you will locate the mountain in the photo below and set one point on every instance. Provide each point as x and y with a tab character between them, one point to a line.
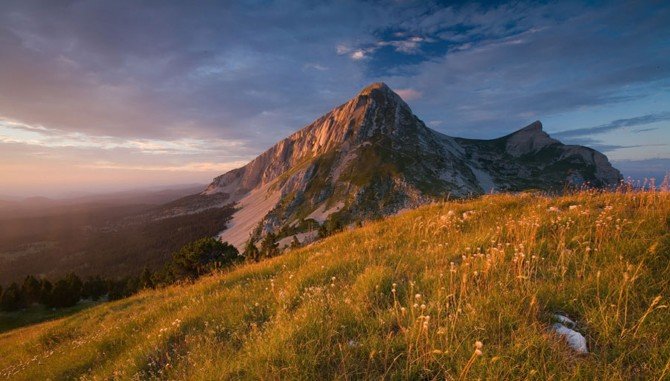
372	157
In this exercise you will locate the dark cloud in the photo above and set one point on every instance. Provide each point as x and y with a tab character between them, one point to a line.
616	125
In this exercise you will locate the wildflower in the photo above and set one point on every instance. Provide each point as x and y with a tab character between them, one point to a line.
478	352
479	344
417	296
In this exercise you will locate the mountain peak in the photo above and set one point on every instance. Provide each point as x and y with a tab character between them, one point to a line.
536	126
381	86
528	139
381	94
371	156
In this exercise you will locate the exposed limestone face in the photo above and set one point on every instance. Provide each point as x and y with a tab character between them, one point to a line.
528	140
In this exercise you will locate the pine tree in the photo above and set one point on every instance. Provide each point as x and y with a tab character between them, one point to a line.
66	292
94	288
11	298
269	246
295	243
30	290
251	252
45	292
146	279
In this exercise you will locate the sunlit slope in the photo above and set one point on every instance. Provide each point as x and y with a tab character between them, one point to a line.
492	270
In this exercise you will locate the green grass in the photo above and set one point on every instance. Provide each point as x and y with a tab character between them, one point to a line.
329	311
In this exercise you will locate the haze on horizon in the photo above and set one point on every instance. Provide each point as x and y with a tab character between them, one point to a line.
109	95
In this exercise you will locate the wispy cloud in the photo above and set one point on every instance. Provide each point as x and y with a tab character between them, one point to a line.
409	94
187	167
12	131
616	125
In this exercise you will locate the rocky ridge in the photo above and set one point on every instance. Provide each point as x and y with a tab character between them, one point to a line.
372	157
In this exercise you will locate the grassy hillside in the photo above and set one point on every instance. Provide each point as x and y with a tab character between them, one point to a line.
406	297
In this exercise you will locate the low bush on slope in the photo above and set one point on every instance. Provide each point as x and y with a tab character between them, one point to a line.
449	291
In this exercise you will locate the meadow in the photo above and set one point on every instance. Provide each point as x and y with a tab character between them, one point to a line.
455	290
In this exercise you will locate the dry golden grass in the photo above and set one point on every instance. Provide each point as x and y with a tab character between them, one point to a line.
456	290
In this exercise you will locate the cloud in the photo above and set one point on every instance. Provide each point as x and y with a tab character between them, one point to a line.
167	84
616	125
40	136
607	148
555	58
411	45
409	94
358	55
646	129
187	167
342	49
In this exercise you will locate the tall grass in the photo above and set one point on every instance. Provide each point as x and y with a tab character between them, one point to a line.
455	290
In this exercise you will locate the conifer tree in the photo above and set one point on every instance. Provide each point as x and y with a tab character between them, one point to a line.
251	252
11	298
269	246
30	290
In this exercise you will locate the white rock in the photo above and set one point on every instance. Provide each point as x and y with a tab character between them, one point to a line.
575	340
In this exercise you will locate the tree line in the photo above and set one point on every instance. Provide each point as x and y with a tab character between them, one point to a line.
189	263
192	261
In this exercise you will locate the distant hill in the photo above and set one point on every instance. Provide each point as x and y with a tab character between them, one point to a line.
40	206
408	297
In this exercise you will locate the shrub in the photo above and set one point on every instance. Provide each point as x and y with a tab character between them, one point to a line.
201	257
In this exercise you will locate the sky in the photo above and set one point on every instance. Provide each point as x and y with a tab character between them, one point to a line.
109	95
